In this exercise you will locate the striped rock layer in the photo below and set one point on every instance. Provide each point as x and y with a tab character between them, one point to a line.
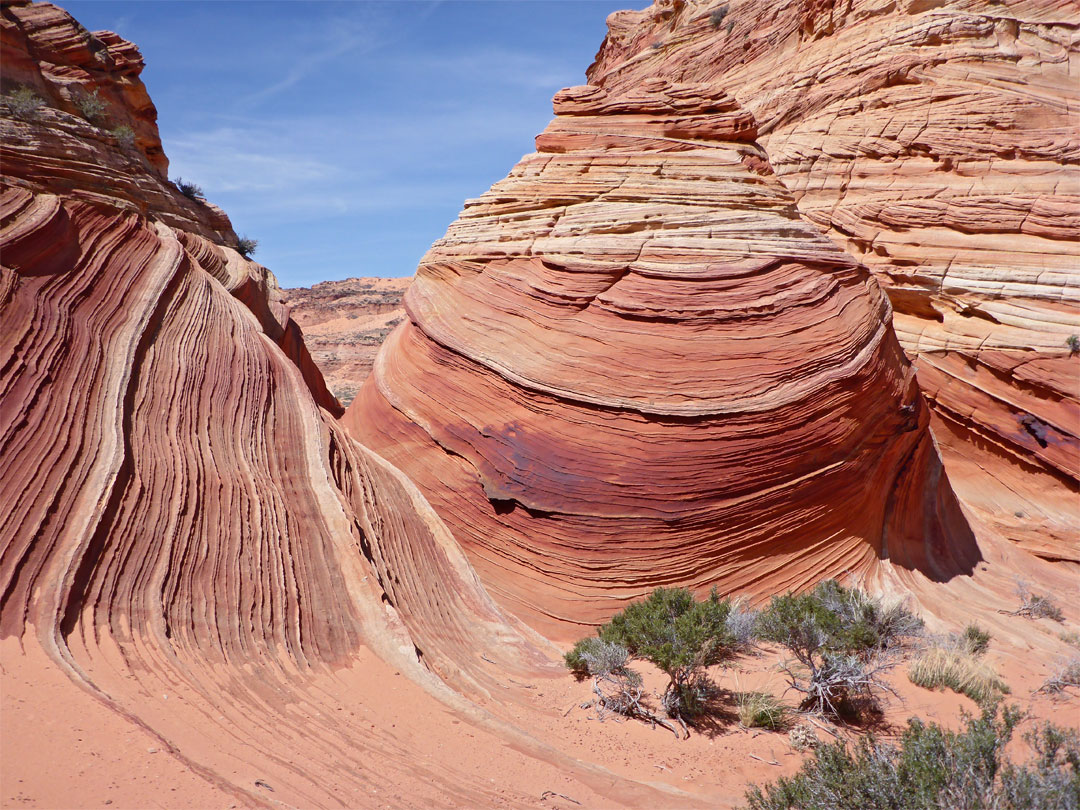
632	363
187	531
938	142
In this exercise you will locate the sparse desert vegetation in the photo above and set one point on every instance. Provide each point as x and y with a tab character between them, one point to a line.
933	768
24	103
843	642
956	663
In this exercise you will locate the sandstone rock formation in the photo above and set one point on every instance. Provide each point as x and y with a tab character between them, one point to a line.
937	142
185	530
344	324
199	565
632	363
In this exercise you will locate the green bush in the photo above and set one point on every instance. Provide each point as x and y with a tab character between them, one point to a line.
933	769
246	246
676	632
841	639
91	106
24	103
1073	343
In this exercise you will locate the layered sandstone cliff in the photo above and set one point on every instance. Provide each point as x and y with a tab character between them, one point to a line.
632	363
185	530
937	142
345	323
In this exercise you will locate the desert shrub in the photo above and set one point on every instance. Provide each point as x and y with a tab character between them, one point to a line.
760	710
742	623
803	737
841	640
950	664
1066	676
717	15
617	689
24	103
1036	606
91	106
189	190
124	136
1073	342
932	769
976	640
1070	637
680	635
246	246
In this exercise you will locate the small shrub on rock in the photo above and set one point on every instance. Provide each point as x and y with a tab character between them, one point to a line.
246	246
91	106
24	103
189	190
933	768
976	640
717	15
124	136
1066	677
1036	606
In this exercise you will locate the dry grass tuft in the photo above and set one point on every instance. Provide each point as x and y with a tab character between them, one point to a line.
954	666
760	710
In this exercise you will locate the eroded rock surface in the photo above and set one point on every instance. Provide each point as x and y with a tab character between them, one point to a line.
632	363
186	531
937	142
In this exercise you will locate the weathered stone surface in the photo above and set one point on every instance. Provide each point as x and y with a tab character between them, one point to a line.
632	363
937	142
188	533
344	324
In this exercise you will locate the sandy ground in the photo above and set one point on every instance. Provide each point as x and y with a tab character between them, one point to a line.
62	748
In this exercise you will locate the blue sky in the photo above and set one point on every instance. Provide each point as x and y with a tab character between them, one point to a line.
345	136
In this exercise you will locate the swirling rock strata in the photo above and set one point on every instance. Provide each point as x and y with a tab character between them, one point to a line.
936	141
187	531
631	363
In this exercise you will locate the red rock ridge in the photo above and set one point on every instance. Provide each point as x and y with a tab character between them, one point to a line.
631	363
190	536
937	142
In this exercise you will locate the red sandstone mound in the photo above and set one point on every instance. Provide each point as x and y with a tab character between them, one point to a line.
185	530
202	575
937	142
632	363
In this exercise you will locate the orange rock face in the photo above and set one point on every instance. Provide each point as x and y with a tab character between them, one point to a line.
632	363
344	324
937	142
188	534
